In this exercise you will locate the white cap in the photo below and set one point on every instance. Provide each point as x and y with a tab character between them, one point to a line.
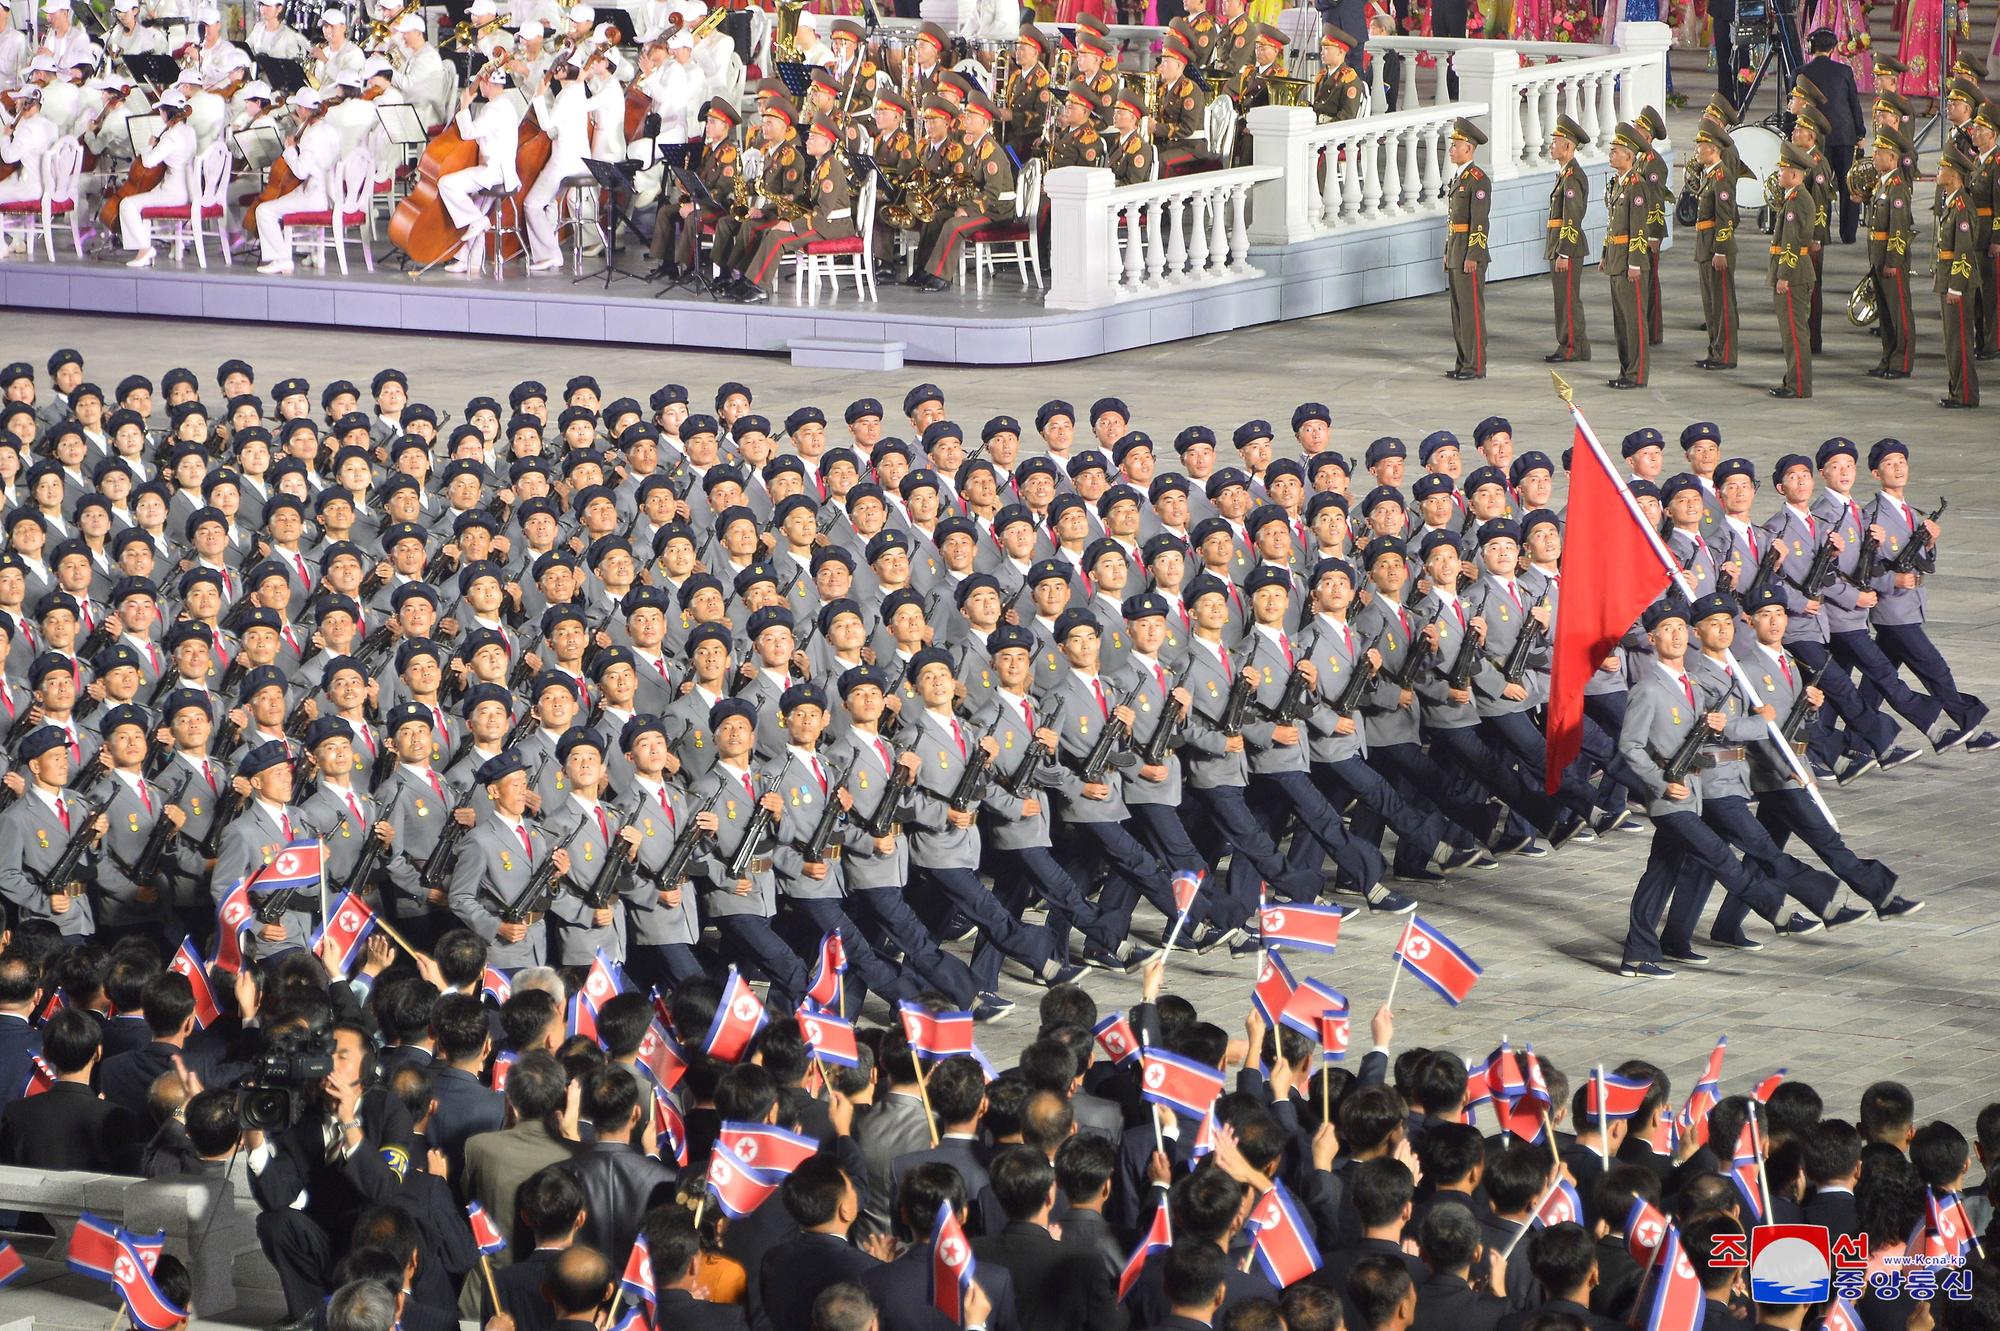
305	99
119	6
55	6
410	23
531	29
335	16
806	19
484	8
42	64
208	14
258	90
189	78
173	97
582	14
680	41
107	83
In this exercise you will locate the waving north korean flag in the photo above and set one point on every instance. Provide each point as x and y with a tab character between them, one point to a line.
1678	1303
1437	961
1645	1228
661	1055
1692	1120
41	1077
486	1235
1273	991
1309	1002
738	1018
1559	1205
951	1264
11	1265
349	925
1613	1096
494	984
737	1188
132	1272
187	961
232	917
1181	1084
1158	1238
637	1281
1303	928
936	1034
296	865
1116	1038
1283	1245
671	1125
830	1038
93	1247
764	1147
824	990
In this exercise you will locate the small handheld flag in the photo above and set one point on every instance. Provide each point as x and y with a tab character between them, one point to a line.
830	1038
1302	928
132	1272
1283	1245
824	991
737	1188
661	1055
1764	1088
1692	1121
494	984
1612	1096
486	1235
1116	1038
1273	991
1559	1205
1645	1226
936	1034
1746	1166
11	1265
233	915
1436	960
1158	1238
1181	1084
297	865
637	1279
503	1065
349	925
1309	1002
772	1150
41	1077
1678	1302
951	1264
738	1019
187	961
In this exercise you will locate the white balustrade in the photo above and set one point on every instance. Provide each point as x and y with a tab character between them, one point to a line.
1422	63
1111	243
1596	90
1371	171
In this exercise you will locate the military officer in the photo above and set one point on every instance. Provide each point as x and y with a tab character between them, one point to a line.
1337	88
1652	169
36	832
1180	129
986	166
1984	191
1623	258
678	227
1030	97
831	195
1468	201
1131	155
1715	243
1811	131
1891	228
1955	276
1791	270
1563	247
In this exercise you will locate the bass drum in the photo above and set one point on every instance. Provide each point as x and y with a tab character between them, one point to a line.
1758	147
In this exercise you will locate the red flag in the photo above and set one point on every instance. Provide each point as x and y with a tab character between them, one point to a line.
737	1188
1621	1096
132	1272
1678	1303
186	961
1841	1317
738	1019
1692	1121
1181	1084
11	1265
661	1055
1436	960
493	984
1283	1242
951	1264
486	1235
935	1034
825	986
766	1147
57	1002
1762	1095
670	1126
1116	1038
602	982
503	1064
1645	1226
232	917
1333	1034
1273	991
1312	928
1610	573
41	1076
638	1278
351	923
1159	1237
830	1038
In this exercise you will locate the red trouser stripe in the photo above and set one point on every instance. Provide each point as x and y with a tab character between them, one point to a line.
1645	317
1478	328
1900	281
948	241
779	250
1728	325
1569	310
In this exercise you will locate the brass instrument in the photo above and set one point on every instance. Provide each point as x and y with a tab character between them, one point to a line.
465	34
739	198
1287	91
785	34
1861	180
1004	79
710	22
795	211
1063	69
1863	305
1148	84
377	33
1774	192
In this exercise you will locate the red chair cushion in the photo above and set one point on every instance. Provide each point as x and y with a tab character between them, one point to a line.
324	217
179	212
1000	233
851	245
61	206
383	186
23	206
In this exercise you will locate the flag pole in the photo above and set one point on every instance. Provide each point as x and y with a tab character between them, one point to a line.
1757	1147
1549	1126
395	937
1667	562
1396	974
1603	1131
1555	1182
617	1298
492	1290
701	1198
924	1094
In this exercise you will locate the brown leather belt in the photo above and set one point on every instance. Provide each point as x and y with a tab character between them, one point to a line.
1947	254
832	854
1984	212
1727	755
762	864
1555	221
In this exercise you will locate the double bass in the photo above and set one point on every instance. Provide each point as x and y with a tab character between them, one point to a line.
420	226
141	177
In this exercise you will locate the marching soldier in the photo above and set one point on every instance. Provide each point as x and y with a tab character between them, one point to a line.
255	837
1468	202
1652	169
1715	243
134	807
1955	274
984	165
1810	131
1030	98
1131	155
679	224
37	830
1891	227
832	217
1792	275
1337	88
1563	247
1623	259
495	864
1181	121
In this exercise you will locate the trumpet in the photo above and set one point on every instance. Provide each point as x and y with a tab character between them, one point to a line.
464	33
372	38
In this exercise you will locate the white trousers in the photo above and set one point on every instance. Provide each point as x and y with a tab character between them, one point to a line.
308	197
458	188
135	230
544	201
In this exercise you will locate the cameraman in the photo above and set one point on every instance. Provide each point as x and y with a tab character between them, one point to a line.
347	1147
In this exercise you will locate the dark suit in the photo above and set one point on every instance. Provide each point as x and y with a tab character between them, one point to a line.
1446	1302
902	1293
969	1159
520	1288
619	1183
68	1127
448	1253
399	1056
1096	1114
684	1312
126	1079
124	1034
1089	1231
795	1273
464	1109
1057	1287
1148	1304
1835	1210
1617	1278
1590	1320
1850	124
1338	1264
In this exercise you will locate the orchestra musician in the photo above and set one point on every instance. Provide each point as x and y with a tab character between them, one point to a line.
15	49
128	36
335	57
813	49
856	74
379	91
273	37
172	147
61	39
531	56
925	62
566	116
222	64
312	151
832	218
1337	88
674	88
1028	100
896	157
1076	141
1198	28
109	140
26	143
1131	155
582	31
1095	56
61	97
420	72
1181	122
783	177
208	113
984	164
677	227
496	129
1236	37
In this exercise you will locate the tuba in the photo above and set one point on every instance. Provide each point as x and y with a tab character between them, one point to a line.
1863	305
785	35
1284	91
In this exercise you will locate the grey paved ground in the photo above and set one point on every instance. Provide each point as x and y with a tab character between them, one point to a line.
1911	1000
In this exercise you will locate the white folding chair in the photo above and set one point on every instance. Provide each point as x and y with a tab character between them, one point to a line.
1220	121
1015	241
834	259
350	185
209	203
62	170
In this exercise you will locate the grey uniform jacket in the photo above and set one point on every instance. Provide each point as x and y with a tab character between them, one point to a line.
1338	650
412	807
1004	826
805	801
492	869
867	784
1151	709
1900	523
32	839
249	843
1779	677
1657	718
1844	516
1208	765
1074	711
652	918
1506	621
734	811
132	823
1265	653
1715	686
327	812
1433	686
934	843
1801	539
1396	632
574	935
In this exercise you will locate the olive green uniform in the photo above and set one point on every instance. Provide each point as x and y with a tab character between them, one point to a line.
1622	258
1821	185
1791	262
1132	159
1653	178
1469	200
1891	227
1716	208
1337	95
1956	272
1569	200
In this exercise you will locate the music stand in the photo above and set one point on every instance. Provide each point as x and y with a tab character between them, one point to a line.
402	124
285	76
158	70
628	31
140	129
612	177
796	76
259	146
705	202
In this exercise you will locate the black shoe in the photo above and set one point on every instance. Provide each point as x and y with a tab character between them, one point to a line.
749	293
1419	876
1897	756
1460	374
914	280
1566	829
1878	373
1799	925
1897	907
1953	404
1741	941
1984	742
1861	766
1643	970
1897	374
935	284
1784	390
1845	916
1621	382
1987	355
1512	845
1688	958
1555	358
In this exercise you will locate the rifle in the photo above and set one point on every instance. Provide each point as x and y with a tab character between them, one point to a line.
440	566
1688	758
232	676
434	871
534	898
374	649
617	873
62	878
1235	707
1767	564
146	869
1114	735
1862	576
1298	700
883	821
273	906
972	775
1515	667
1467	662
675	871
100	637
761	822
820	844
364	867
24	721
1820	572
1919	546
1802	709
211	844
1154	751
1413	658
518	677
1360	675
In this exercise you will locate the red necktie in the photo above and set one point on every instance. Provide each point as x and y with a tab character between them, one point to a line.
1286	643
285	822
1750	535
215	635
1404	620
1812	529
7	696
1347	637
89	621
888	763
1514	592
1097	687
1909	517
1160	674
228	584
1458	608
1688	685
1785	664
368	737
1225	662
1855	513
75	749
437	715
660	664
526	844
819	776
304	577
749	789
208	770
1185	621
603	827
153	655
145	797
958	738
665	807
62	812
431	775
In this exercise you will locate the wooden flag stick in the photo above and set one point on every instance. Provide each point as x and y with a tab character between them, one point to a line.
1325	1090
1757	1142
395	937
924	1094
1540	1202
1396	975
1159	1137
1549	1126
492	1290
617	1298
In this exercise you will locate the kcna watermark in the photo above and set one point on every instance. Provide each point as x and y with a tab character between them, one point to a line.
1801	1264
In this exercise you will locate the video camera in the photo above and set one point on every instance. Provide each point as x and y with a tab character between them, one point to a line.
282	1079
